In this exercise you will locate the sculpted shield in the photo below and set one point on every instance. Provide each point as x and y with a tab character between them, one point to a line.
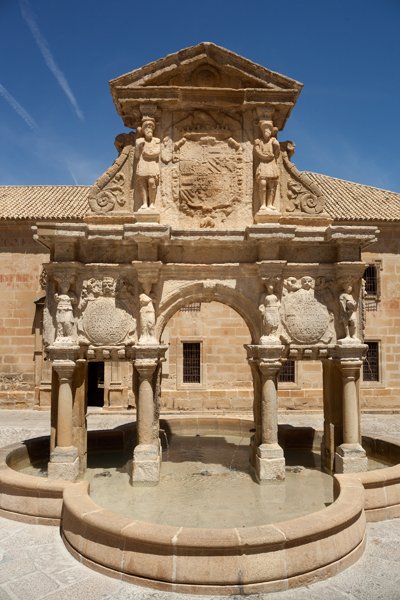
104	323
306	318
210	177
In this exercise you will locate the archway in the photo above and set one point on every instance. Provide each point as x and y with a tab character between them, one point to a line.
206	366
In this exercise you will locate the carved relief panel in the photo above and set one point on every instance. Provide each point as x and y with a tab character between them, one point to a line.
105	312
307	311
203	168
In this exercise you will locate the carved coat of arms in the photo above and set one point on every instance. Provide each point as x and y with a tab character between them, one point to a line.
105	319
306	319
208	182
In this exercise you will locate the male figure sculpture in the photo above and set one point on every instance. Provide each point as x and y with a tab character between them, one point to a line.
147	154
267	151
348	307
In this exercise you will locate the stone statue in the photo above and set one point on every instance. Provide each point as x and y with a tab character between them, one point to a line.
108	287
147	319
269	309
64	312
147	154
348	307
267	151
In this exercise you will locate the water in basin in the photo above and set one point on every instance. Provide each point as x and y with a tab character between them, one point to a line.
206	482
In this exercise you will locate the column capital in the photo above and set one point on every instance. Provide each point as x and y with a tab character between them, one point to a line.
269	368
265	353
64	368
145	367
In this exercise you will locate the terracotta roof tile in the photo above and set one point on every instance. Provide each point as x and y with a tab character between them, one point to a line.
350	201
345	201
34	202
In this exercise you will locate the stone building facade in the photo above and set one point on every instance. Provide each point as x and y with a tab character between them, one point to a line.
206	364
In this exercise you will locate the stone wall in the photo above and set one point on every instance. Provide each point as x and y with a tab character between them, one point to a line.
20	267
383	321
225	374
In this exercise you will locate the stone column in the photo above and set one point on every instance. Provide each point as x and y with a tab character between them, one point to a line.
147	453
350	456
270	461
64	462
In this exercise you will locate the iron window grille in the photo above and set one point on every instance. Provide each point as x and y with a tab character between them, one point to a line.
371	280
194	307
371	366
287	374
191	362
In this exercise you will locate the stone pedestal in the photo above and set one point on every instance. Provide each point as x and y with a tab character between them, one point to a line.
350	458
64	463
146	464
147	215
270	462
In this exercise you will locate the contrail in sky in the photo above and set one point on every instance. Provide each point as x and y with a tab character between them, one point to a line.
18	108
29	18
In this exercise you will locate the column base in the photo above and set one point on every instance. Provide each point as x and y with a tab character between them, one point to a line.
146	464
350	458
64	463
270	463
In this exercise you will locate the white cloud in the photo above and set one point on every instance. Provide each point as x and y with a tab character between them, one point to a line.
29	18
20	110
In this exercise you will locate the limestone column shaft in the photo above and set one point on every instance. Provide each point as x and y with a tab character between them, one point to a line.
351	413
65	370
145	407
269	402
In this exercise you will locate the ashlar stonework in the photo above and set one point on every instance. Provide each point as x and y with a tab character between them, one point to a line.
204	204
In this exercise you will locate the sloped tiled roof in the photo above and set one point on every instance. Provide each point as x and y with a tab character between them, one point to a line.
350	201
34	202
345	201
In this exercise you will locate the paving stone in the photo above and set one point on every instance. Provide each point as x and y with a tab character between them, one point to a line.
34	586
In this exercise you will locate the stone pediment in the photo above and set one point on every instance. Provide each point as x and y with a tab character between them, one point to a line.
205	74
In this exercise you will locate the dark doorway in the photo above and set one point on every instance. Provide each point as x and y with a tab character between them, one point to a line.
95	392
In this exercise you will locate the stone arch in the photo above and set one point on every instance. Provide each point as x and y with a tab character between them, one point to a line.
200	292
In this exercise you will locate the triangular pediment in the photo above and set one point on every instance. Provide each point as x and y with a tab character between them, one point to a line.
206	65
204	76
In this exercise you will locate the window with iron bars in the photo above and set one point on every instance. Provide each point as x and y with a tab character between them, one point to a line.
371	280
191	362
287	374
194	307
371	365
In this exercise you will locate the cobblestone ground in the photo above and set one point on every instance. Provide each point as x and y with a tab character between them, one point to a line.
35	565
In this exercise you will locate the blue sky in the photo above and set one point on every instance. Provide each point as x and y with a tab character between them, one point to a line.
58	122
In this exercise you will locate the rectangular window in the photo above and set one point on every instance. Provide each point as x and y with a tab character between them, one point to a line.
371	363
371	280
191	362
287	373
194	307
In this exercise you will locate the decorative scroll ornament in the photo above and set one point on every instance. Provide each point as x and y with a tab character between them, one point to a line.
300	199
105	318
104	201
108	192
303	197
306	318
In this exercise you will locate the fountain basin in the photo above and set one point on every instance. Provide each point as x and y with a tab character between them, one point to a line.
230	560
226	561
